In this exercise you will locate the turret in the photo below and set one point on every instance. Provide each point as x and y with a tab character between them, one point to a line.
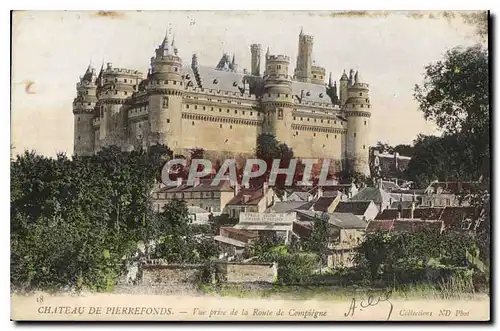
303	69
358	113
165	90
83	110
118	85
331	90
277	98
318	75
255	49
343	88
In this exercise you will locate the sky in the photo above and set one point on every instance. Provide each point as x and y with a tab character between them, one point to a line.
52	49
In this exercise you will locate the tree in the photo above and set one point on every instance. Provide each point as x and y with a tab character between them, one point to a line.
319	238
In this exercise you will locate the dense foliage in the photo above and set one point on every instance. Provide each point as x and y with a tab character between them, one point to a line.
74	222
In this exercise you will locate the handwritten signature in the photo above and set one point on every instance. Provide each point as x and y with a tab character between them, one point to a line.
370	302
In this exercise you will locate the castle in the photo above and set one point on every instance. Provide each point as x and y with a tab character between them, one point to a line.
224	109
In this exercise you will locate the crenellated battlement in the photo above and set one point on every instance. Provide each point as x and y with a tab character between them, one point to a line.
278	58
318	69
214	92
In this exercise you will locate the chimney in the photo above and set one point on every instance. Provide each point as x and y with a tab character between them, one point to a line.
179	181
412	210
320	192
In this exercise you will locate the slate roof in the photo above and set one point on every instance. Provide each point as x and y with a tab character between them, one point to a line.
354	207
374	194
383	225
226	82
453	187
347	221
303	196
203	186
287	206
405	204
428	213
323	203
254	196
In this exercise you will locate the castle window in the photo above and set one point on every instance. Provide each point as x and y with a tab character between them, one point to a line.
235	111
211	108
125	92
314	76
78	137
157	82
165	102
365	122
286	95
301	118
78	118
327	135
354	134
314	120
251	113
294	118
368	106
314	134
220	110
175	83
227	111
360	94
321	121
187	106
116	80
176	69
335	137
125	80
361	106
195	107
278	94
106	80
230	127
366	99
364	146
192	123
220	125
243	112
296	133
135	87
278	67
308	119
89	103
269	94
203	107
334	122
168	120
116	92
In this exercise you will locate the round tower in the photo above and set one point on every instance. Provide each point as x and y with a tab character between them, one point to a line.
116	86
277	100
165	90
318	75
358	113
83	110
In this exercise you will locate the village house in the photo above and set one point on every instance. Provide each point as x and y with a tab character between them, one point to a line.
251	200
201	193
366	210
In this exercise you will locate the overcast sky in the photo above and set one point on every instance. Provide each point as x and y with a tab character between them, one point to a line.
52	49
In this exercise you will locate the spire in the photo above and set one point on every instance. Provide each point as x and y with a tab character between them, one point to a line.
233	61
267	52
173	45
357	77
344	76
165	40
330	80
301	31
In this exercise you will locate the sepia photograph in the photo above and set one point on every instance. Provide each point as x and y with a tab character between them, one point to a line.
226	165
